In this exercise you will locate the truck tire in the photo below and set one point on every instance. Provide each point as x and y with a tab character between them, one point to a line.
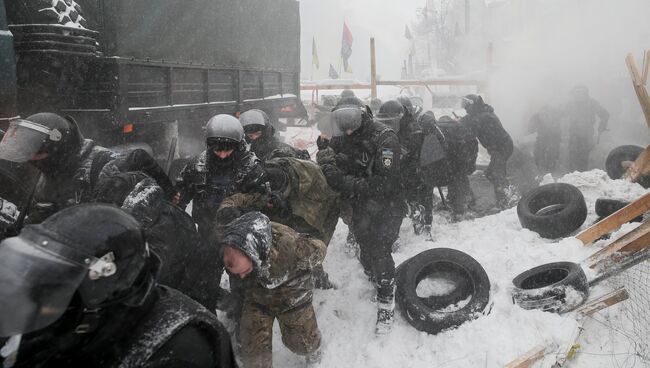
554	287
552	210
433	314
620	154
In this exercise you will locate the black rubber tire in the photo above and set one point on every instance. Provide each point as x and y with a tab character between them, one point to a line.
427	314
557	287
552	210
607	206
620	154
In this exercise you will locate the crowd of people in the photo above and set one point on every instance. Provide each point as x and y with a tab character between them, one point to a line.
104	267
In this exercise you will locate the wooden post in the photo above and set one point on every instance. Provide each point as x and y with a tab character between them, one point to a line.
638	81
615	220
373	69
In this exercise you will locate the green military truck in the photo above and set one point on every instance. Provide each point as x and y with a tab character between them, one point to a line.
142	72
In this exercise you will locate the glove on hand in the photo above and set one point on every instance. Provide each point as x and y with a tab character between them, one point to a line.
322	143
8	212
278	205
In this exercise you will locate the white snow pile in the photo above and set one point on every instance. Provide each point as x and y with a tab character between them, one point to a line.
346	316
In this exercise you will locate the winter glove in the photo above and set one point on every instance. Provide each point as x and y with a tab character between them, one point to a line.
343	162
8	212
278	205
322	143
326	156
227	214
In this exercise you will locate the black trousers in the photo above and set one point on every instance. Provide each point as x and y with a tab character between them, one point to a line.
376	227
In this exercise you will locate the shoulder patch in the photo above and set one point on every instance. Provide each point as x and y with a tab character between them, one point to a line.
387	157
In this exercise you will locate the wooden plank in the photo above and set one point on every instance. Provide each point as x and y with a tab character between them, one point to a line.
310	87
433	82
528	358
373	69
639	168
634	240
646	65
602	302
639	87
615	220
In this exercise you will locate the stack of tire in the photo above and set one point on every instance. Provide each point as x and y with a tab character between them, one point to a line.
466	300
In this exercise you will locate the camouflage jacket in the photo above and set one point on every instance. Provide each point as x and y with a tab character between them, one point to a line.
314	205
287	283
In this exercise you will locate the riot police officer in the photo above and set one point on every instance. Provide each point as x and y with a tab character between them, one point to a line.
487	127
71	166
79	290
418	193
226	167
363	165
260	134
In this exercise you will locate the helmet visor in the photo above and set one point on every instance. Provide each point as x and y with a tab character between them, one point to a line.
347	118
22	140
391	120
36	284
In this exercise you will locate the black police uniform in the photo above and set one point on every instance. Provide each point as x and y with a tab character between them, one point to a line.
207	181
459	159
498	143
75	180
367	173
168	330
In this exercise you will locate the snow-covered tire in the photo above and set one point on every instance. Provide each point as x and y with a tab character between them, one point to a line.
620	154
433	314
552	210
554	287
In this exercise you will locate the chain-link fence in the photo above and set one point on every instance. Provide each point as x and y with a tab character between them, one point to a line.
635	312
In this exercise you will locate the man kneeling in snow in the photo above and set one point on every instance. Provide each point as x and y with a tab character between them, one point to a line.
275	263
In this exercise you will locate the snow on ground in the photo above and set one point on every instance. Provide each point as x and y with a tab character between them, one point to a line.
346	316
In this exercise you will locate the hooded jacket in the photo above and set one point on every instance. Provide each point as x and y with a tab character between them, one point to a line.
282	261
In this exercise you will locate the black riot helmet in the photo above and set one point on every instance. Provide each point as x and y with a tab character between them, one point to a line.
94	250
471	103
254	120
347	93
46	133
348	118
407	103
391	113
224	132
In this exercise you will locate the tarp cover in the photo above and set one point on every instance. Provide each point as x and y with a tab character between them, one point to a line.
239	33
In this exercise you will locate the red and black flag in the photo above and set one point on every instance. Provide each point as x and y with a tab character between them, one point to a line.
346	47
